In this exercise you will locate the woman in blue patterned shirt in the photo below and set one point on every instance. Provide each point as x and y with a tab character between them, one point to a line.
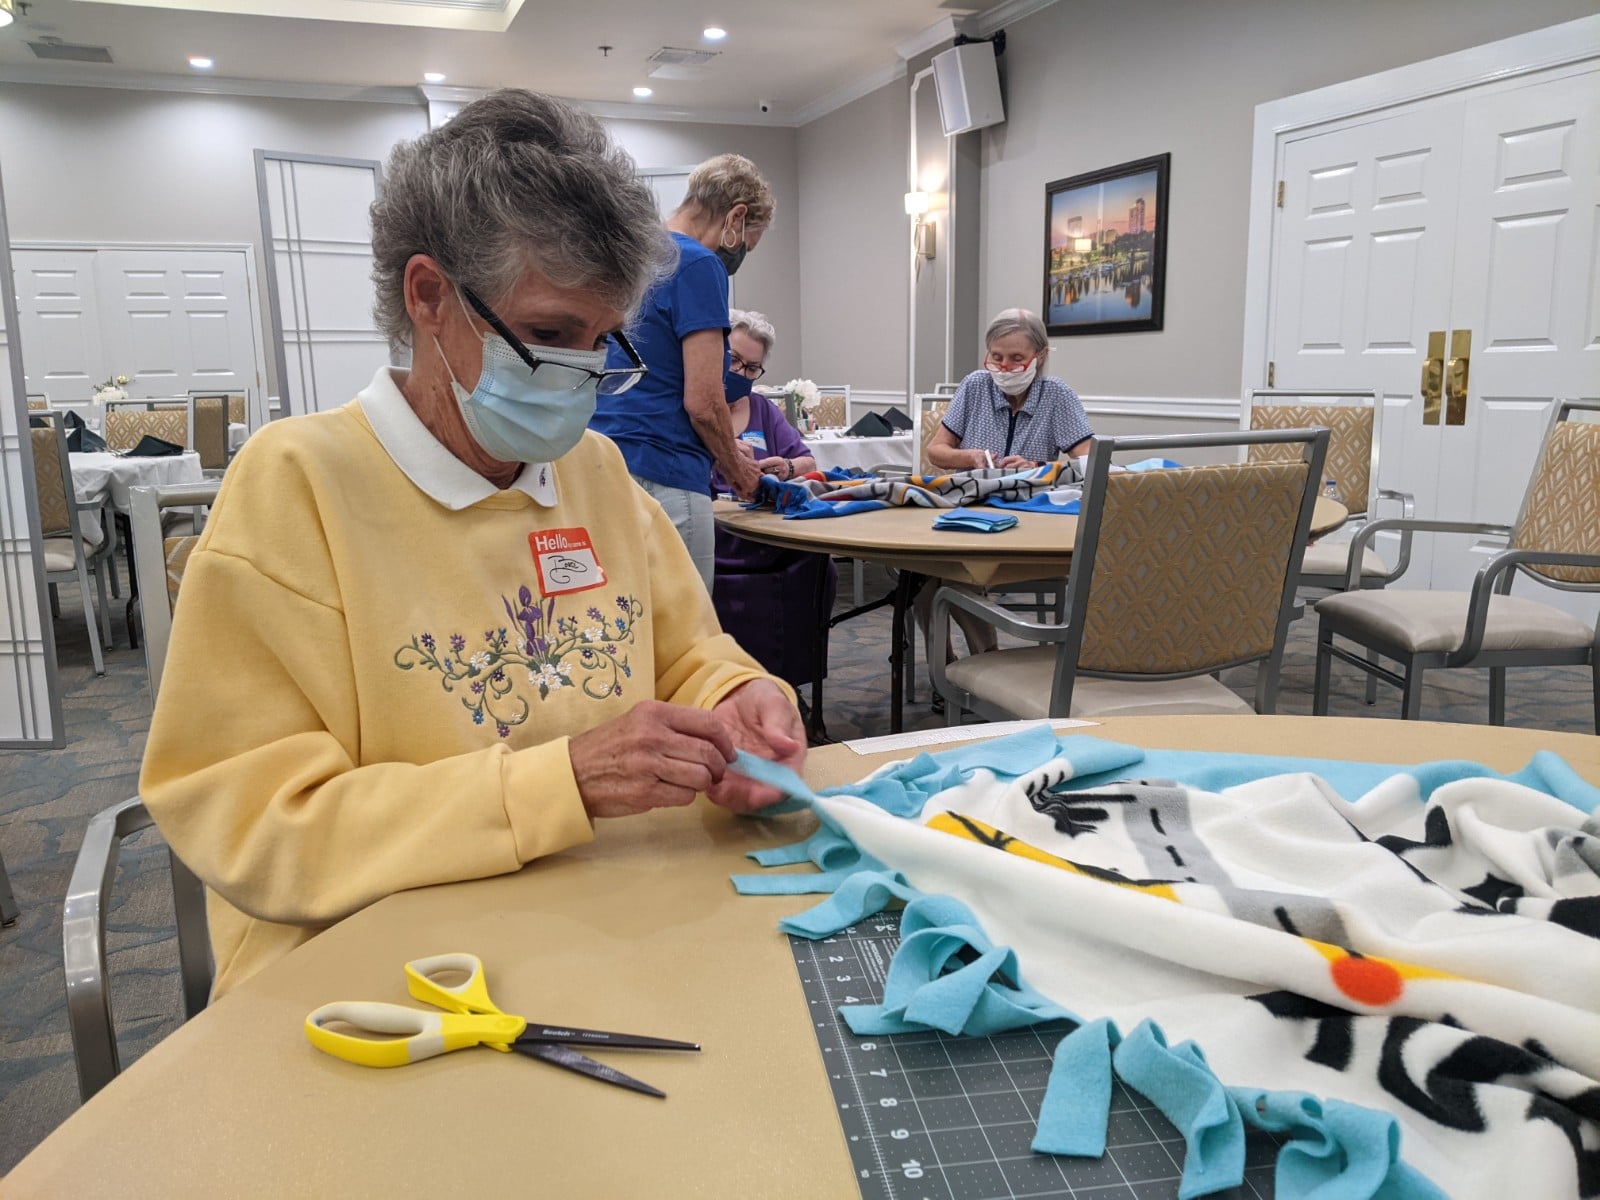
1009	413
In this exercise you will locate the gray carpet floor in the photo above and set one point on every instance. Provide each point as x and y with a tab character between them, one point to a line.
46	798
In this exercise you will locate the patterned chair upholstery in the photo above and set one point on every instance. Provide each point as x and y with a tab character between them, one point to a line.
66	554
1176	574
929	412
1556	542
38	403
834	410
125	426
1353	429
211	431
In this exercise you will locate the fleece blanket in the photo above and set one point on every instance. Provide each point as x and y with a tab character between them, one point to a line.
1396	968
797	500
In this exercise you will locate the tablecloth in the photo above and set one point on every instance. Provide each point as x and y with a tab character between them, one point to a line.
832	449
107	477
238	431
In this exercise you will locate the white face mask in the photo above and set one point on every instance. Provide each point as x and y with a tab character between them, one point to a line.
1014	382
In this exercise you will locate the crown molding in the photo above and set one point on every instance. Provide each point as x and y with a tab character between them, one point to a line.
1006	13
613	110
138	81
850	93
941	31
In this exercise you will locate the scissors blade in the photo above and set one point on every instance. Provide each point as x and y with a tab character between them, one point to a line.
600	1037
565	1056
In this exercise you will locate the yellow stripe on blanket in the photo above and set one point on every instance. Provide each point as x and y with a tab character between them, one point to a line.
977	831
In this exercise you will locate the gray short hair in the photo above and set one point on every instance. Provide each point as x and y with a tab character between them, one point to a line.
719	183
515	180
755	324
1018	320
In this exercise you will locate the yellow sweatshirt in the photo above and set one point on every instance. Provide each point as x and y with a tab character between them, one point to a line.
367	688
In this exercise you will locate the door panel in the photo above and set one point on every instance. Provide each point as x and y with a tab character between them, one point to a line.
1525	288
178	320
1362	273
58	308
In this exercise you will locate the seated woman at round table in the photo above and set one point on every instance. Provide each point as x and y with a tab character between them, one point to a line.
1009	410
434	634
1007	414
766	597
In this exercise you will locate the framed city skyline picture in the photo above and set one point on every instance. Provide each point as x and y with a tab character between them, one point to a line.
1105	249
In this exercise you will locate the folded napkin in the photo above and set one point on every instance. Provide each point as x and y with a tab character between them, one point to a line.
151	446
974	521
897	418
870	425
83	440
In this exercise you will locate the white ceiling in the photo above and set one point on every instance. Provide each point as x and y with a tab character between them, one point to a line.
797	55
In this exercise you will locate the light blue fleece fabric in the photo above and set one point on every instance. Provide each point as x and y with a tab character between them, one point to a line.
974	520
1336	1151
935	982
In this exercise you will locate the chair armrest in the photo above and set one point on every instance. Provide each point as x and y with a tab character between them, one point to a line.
83	946
1406	526
1499	568
1408	502
1001	618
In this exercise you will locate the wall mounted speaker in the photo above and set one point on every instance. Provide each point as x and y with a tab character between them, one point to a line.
968	84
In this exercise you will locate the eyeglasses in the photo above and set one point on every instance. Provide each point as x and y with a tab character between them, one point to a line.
751	371
609	382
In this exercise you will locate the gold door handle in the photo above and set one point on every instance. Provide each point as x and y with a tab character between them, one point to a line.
1433	378
1456	375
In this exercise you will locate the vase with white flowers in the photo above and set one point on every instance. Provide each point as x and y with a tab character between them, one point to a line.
115	388
800	400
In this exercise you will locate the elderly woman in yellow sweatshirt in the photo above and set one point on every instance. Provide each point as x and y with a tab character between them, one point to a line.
434	634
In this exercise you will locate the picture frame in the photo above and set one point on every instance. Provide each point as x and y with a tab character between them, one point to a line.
1105	249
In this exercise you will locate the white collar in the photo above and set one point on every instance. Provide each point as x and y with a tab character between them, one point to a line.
424	458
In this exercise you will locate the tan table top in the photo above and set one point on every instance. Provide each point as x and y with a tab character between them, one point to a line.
1038	546
639	931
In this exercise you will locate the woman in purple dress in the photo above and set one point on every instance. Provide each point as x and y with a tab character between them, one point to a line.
767	597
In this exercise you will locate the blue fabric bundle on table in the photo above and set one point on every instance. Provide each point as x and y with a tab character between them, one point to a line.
973	521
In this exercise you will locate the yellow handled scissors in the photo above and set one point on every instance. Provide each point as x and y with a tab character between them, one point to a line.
470	1019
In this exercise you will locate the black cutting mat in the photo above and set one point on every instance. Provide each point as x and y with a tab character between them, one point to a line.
930	1117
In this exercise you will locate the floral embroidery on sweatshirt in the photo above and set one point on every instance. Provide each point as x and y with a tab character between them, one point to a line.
536	651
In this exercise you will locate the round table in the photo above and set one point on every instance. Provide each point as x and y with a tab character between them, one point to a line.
638	930
105	478
834	448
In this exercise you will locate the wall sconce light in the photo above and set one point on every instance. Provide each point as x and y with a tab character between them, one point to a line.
922	234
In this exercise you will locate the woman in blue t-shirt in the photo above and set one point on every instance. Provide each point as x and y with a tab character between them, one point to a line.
672	427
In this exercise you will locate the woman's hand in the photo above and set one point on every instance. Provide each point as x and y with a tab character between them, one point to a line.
745	449
655	756
759	718
1015	462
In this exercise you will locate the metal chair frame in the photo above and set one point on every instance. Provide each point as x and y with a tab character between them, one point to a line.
1067	635
90	1015
99	623
1494	578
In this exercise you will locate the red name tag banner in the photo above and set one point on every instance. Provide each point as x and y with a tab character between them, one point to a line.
566	561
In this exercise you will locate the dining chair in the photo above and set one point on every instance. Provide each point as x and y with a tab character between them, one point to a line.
928	411
211	431
1354	420
159	562
172	422
945	389
1555	542
834	407
1176	574
238	413
66	553
37	402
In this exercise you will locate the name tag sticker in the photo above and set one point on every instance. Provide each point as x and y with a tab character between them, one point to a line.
566	561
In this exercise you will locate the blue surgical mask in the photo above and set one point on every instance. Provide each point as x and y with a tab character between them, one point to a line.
736	386
517	417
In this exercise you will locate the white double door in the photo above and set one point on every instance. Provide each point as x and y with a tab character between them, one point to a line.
172	320
1470	215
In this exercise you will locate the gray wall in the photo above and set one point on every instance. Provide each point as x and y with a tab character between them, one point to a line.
1084	92
854	236
100	165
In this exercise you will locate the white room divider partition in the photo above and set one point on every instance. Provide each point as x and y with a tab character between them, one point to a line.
30	697
319	276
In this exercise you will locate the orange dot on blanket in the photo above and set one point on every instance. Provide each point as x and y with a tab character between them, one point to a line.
1367	981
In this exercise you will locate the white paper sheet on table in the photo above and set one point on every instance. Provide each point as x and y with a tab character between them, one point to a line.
955	733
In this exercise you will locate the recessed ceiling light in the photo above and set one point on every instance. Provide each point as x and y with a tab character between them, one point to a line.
644	92
714	33
432	77
200	62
